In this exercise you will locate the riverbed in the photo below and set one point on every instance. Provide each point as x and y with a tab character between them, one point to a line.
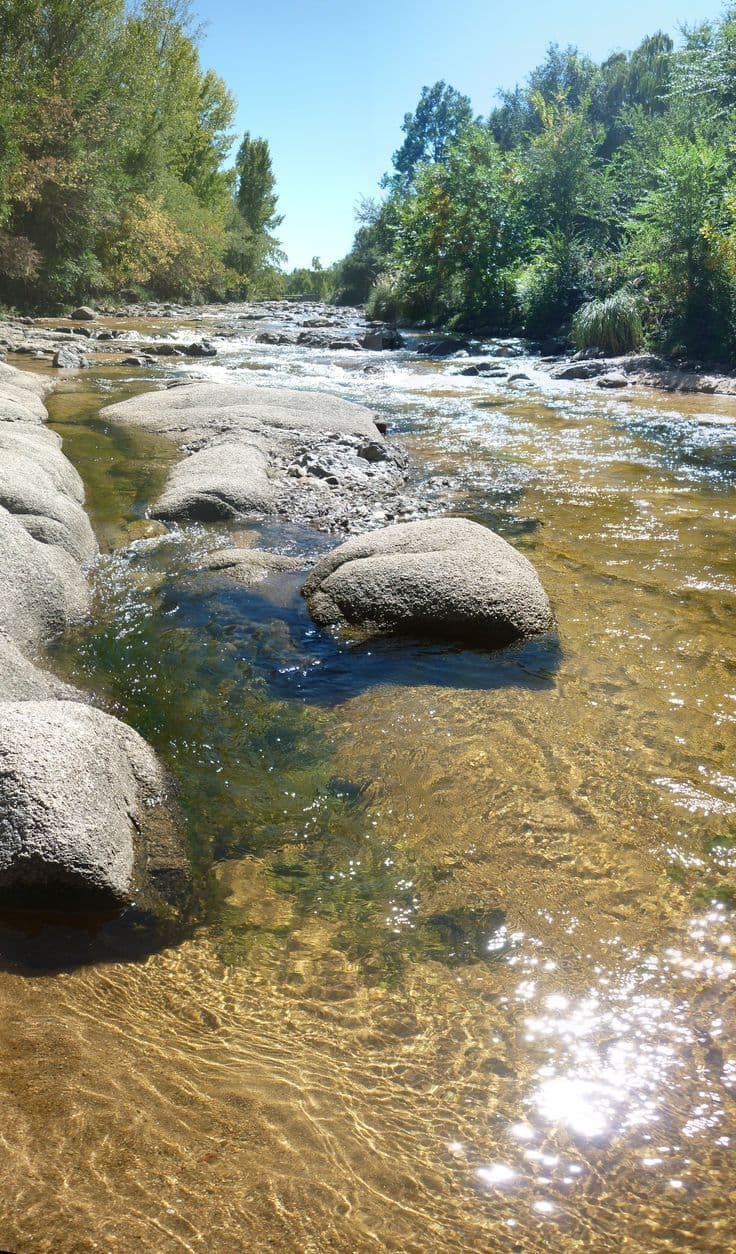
461	971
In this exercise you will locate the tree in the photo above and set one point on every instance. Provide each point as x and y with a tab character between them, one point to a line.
439	117
674	242
256	196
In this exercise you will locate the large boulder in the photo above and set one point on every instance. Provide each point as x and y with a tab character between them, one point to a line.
19	403
204	410
83	313
227	480
22	680
446	578
30	493
83	813
44	590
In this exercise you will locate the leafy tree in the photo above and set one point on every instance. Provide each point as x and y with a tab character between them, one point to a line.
440	116
674	242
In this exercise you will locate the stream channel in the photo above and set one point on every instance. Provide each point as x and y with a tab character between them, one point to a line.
460	974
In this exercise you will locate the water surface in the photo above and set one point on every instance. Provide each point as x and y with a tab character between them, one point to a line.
462	976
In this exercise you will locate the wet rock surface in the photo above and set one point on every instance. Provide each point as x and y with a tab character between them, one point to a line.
444	579
253	449
84	818
250	566
82	808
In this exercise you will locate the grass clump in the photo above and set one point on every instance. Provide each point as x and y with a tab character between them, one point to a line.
612	325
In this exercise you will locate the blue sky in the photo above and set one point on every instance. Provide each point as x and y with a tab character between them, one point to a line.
327	82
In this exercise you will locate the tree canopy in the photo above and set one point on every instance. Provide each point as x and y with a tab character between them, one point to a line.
113	143
608	188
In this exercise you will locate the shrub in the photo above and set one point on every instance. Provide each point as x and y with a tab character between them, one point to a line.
555	284
612	324
384	302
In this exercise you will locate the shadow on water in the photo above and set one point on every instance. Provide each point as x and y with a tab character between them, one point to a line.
238	692
271	631
35	942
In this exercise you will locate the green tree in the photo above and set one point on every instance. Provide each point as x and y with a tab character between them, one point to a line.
439	117
674	242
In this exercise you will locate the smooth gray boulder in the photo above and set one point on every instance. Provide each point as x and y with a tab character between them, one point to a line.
18	403
35	383
83	313
22	680
43	446
227	480
202	410
249	566
44	590
446	578
83	810
48	514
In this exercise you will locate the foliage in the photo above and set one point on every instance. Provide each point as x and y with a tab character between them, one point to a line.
112	148
440	116
611	325
596	200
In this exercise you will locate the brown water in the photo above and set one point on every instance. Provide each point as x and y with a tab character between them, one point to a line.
467	979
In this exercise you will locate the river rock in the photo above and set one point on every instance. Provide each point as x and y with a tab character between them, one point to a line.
249	566
445	578
44	590
83	313
22	680
380	339
613	380
83	809
29	493
205	410
229	479
69	357
442	347
21	379
579	370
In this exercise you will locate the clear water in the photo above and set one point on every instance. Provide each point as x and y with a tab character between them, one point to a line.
462	971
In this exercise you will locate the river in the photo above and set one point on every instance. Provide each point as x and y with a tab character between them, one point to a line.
462	973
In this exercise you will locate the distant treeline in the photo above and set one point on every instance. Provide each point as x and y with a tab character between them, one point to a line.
597	201
112	145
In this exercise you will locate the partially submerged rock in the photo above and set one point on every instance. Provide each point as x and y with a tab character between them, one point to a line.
83	812
265	450
44	590
22	680
69	357
250	566
227	480
82	313
446	578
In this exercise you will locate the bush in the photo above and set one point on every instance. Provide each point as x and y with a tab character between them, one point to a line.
384	302
554	286
612	325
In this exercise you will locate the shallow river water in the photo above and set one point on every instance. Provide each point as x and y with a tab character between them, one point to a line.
462	970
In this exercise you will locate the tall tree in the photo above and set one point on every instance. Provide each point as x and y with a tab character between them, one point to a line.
256	190
439	117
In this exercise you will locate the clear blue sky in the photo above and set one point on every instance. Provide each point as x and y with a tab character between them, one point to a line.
327	82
